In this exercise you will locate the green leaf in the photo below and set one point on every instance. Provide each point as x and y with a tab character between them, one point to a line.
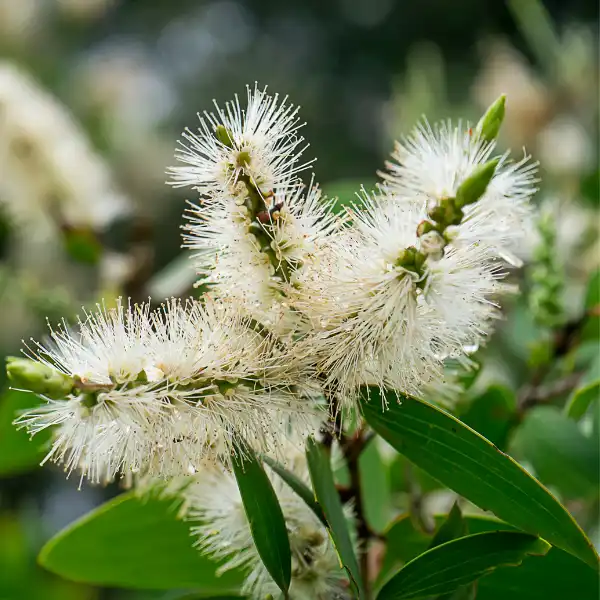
558	451
473	467
83	245
447	567
453	527
491	414
265	516
554	576
475	185
375	488
19	453
489	124
319	466
134	542
550	577
591	329
298	486
587	391
592	296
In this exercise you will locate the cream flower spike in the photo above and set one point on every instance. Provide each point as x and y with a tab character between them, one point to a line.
158	393
261	260
381	319
431	164
233	146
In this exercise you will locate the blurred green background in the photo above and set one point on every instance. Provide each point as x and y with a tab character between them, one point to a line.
94	94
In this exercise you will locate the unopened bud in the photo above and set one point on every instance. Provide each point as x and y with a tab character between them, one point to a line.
425	227
38	378
411	259
432	244
222	134
489	125
446	213
406	257
243	158
474	186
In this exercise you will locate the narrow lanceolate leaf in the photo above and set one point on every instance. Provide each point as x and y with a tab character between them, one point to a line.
265	516
319	466
135	542
446	568
453	527
553	576
560	454
298	486
588	391
470	465
19	453
375	488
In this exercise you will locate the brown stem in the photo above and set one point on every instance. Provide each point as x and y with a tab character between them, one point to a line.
564	340
332	429
352	449
533	396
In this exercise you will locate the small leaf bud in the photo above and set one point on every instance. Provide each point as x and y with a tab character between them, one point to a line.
489	125
222	134
38	378
474	186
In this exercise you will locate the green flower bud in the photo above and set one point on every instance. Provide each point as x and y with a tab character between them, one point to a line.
411	259
474	186
489	125
83	245
243	158
425	227
222	134
38	378
446	213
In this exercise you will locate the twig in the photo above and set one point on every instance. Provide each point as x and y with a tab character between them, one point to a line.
564	340
332	429
352	449
544	393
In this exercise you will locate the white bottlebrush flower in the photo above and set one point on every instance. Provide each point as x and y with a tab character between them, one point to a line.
259	143
262	260
379	320
158	393
223	531
431	164
49	173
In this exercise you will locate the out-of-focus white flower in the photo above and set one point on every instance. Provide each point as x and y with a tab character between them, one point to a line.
432	163
85	9
48	171
157	393
565	147
19	21
506	71
380	319
223	531
259	143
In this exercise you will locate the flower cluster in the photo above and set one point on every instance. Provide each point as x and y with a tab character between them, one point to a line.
158	393
415	282
256	228
306	305
46	159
